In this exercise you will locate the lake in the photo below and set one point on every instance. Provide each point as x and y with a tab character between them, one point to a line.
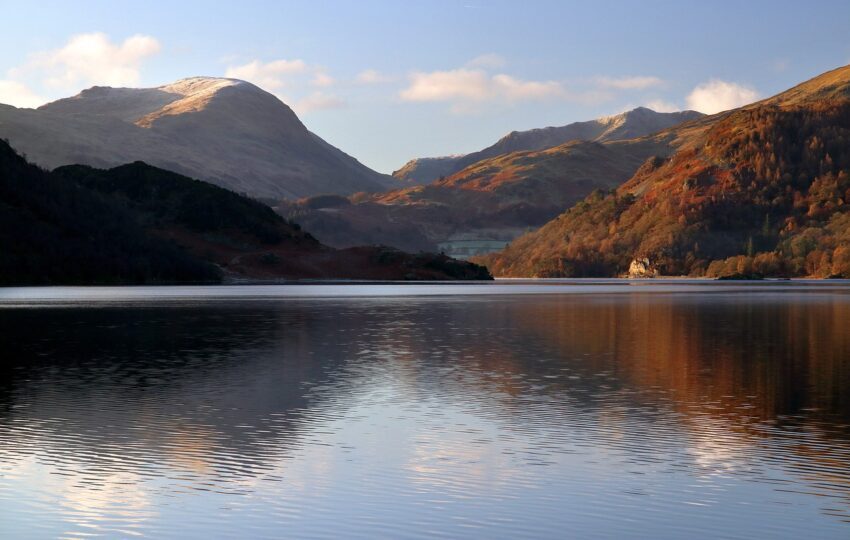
514	409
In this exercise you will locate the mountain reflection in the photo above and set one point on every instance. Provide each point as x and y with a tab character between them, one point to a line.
111	409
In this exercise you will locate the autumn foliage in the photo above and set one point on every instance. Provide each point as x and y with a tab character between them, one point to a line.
761	190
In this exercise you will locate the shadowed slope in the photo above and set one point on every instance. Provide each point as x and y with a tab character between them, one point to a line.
54	231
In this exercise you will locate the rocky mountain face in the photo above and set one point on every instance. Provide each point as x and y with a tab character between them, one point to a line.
224	131
628	125
763	190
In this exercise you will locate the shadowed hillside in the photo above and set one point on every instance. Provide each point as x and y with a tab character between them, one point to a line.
55	231
141	224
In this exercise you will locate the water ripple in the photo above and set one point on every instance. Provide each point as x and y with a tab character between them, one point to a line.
656	415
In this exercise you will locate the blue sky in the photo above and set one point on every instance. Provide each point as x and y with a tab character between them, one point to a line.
389	81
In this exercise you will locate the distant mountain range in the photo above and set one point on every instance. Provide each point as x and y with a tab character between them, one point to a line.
628	125
763	190
759	190
224	131
136	223
497	198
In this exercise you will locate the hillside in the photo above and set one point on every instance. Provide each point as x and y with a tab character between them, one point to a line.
498	198
54	231
422	171
223	131
627	125
759	190
140	224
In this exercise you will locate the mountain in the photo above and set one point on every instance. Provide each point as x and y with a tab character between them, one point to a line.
628	125
55	231
425	170
141	224
492	201
224	131
759	190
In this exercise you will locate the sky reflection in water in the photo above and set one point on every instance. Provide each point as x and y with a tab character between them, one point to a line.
652	415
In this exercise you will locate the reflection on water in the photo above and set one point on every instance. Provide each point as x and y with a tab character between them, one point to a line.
653	415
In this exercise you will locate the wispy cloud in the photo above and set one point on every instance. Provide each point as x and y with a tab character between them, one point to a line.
475	85
629	83
295	77
318	101
270	76
481	81
487	61
19	95
780	65
659	105
89	59
84	60
371	76
322	80
715	96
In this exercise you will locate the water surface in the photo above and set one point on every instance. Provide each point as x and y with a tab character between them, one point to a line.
591	409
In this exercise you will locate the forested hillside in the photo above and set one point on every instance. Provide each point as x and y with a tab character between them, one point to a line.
55	231
763	190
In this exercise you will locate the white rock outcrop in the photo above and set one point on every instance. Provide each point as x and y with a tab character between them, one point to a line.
642	268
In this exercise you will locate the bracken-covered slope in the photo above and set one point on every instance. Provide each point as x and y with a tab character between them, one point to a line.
627	125
224	131
760	190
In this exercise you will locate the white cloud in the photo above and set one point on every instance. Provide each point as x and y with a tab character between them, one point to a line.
715	96
516	89
475	85
90	59
318	101
447	86
19	95
629	83
659	105
468	86
322	80
267	75
490	60
295	77
371	76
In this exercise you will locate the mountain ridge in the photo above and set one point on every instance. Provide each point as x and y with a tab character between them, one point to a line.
759	190
225	131
630	124
492	200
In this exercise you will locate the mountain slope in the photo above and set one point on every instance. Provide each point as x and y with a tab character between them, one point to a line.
759	190
224	131
493	200
425	170
140	224
628	125
54	231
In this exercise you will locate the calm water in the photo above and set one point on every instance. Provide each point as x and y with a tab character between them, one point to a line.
508	410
